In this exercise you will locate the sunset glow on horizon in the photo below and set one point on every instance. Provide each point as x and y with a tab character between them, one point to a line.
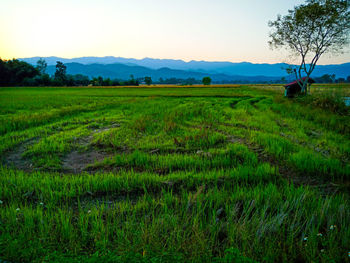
220	30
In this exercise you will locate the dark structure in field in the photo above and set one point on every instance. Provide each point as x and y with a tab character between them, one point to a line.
293	88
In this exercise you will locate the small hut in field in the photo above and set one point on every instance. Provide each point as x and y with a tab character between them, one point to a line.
293	88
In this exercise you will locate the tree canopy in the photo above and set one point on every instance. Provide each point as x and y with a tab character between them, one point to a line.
148	80
14	72
41	66
60	74
206	81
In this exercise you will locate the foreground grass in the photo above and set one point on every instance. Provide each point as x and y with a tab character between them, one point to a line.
224	174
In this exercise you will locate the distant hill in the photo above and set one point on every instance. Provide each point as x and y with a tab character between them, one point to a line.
122	71
226	68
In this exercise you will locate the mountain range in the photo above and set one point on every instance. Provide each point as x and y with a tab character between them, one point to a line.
122	71
122	68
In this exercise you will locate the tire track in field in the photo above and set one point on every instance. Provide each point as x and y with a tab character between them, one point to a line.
285	170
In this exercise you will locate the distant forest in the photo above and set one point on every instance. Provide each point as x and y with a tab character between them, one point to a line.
19	73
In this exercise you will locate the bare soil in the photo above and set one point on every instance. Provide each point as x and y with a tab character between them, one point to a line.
14	158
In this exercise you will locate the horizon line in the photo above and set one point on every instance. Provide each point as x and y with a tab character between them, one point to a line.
183	60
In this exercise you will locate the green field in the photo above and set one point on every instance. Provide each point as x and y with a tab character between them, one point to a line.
174	174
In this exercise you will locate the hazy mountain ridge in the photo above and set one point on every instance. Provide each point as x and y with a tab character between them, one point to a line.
202	67
122	71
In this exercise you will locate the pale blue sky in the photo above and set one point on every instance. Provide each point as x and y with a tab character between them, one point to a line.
220	30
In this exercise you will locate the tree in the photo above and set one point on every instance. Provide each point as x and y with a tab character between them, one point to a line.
41	66
100	81
189	81
60	74
17	71
45	80
97	81
107	82
311	30
326	78
81	80
206	81
148	80
132	81
4	73
333	78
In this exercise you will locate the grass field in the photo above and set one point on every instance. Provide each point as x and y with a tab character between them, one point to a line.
174	174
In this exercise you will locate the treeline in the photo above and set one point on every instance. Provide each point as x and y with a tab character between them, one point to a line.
18	73
174	81
331	79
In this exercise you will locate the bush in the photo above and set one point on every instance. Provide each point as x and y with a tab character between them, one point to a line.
331	101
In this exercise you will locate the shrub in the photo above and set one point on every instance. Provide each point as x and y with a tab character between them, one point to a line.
331	100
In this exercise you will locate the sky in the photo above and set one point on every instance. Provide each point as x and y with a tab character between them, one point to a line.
220	30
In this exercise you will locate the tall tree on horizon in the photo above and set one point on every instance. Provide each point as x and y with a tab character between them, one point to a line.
311	30
41	66
60	74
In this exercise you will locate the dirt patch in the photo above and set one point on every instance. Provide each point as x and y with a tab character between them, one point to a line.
76	162
14	158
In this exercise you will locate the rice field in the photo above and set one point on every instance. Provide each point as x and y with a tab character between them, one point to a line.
174	174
